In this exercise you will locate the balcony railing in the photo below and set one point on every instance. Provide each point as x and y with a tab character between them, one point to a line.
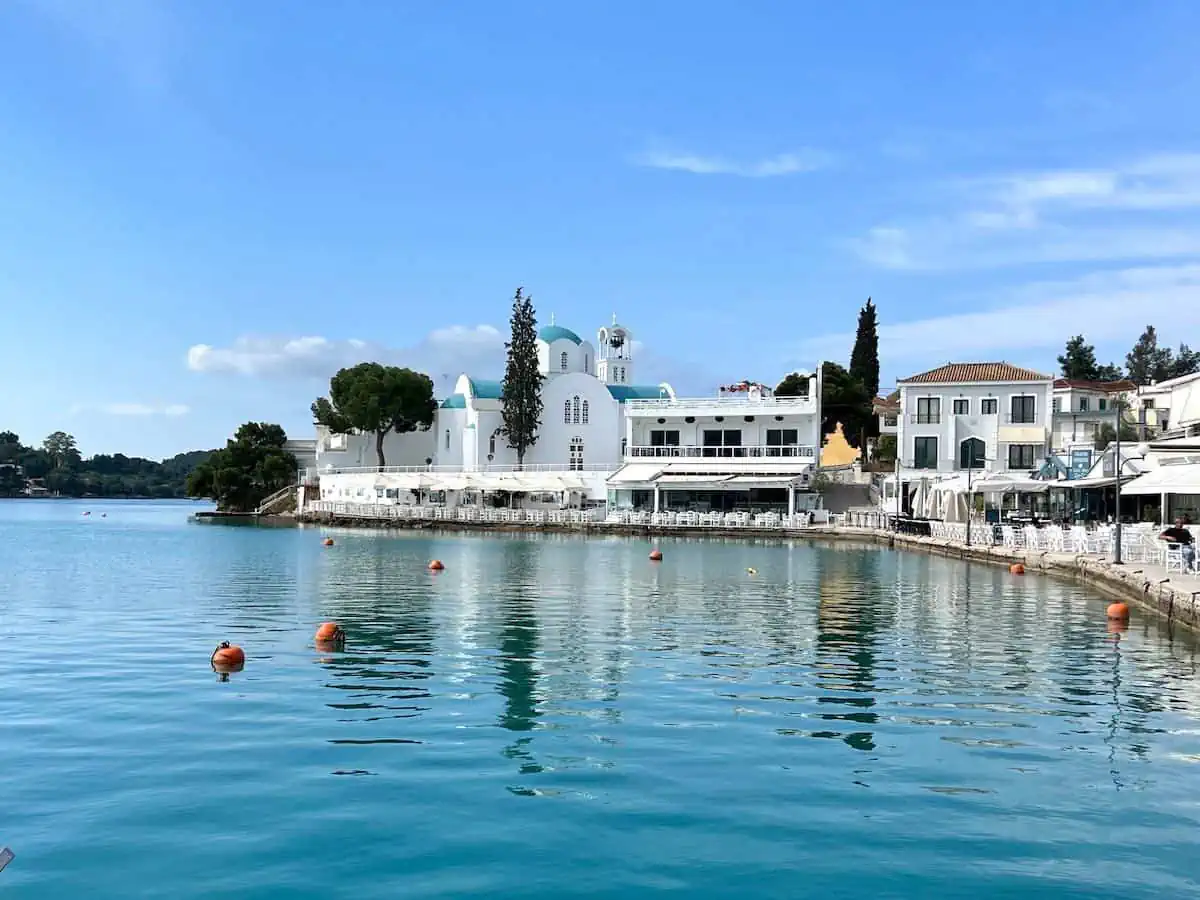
792	451
1021	419
925	419
782	404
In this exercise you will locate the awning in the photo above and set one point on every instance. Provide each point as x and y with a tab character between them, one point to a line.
1096	481
691	478
1167	479
763	480
635	473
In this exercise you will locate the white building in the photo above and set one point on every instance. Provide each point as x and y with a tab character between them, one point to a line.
743	450
1082	408
583	429
985	416
1169	407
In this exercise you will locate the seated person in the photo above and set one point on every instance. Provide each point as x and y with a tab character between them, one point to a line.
1177	534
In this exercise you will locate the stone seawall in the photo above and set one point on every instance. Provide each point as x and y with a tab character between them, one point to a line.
1140	585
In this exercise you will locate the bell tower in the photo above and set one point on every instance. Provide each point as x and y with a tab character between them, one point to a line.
614	360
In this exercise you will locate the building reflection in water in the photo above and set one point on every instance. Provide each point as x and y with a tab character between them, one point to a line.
848	621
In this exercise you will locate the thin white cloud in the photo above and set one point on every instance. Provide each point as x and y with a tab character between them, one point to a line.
770	167
134	409
1110	308
1128	212
442	354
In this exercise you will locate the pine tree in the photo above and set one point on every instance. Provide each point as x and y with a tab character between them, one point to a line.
1079	361
522	394
864	359
1146	362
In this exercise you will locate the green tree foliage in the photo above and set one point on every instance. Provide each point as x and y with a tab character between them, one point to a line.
845	399
1148	362
521	396
376	399
793	385
60	468
886	450
61	449
1078	361
864	358
1106	434
251	467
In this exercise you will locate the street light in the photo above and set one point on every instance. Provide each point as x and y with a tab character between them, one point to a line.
1117	472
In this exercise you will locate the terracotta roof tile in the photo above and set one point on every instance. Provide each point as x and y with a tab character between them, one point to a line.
957	373
1108	387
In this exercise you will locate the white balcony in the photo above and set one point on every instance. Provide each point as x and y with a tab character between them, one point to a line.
722	406
762	454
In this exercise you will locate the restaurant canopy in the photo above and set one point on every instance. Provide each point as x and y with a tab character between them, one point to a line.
1168	478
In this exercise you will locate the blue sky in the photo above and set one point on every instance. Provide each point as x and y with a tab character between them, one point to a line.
208	206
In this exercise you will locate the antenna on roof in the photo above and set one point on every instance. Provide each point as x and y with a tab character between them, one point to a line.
614	318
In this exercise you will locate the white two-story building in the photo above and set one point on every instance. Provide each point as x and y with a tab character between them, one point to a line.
744	449
981	416
1082	409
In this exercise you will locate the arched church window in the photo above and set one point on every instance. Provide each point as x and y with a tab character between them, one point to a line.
562	361
575	410
587	364
585	412
492	445
447	438
566	412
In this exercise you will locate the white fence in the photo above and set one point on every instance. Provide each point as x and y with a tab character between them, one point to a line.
565	516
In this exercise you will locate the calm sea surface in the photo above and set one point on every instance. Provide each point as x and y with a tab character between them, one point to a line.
558	717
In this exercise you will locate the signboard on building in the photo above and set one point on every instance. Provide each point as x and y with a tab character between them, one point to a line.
1081	464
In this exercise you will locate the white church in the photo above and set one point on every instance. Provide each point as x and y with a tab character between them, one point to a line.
582	430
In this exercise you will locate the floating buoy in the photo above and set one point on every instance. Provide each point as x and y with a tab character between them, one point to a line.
329	633
104	515
435	565
1118	611
656	556
328	542
87	512
751	571
1016	569
228	657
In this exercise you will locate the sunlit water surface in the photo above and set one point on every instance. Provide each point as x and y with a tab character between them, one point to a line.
558	717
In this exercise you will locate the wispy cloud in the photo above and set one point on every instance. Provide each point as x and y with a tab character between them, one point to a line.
443	353
133	409
770	167
1128	212
1110	307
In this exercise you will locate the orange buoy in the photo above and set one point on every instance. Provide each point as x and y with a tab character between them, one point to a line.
1118	611
329	633
228	657
328	542
656	556
435	565
1016	569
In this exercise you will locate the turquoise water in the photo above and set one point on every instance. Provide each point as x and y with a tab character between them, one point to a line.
557	717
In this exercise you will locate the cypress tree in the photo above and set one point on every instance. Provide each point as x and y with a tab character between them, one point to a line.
864	360
521	396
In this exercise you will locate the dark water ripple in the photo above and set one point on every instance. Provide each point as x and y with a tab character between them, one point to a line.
555	717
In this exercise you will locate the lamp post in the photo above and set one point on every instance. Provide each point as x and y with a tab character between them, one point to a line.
1117	472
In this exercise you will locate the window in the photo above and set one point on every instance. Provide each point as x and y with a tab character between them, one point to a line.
447	438
1083	404
962	407
719	442
929	410
782	441
1103	403
492	446
584	418
925	453
664	438
1148	403
989	406
1022	456
1024	410
1056	404
562	361
889	421
566	412
587	363
971	454
575	410
575	463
